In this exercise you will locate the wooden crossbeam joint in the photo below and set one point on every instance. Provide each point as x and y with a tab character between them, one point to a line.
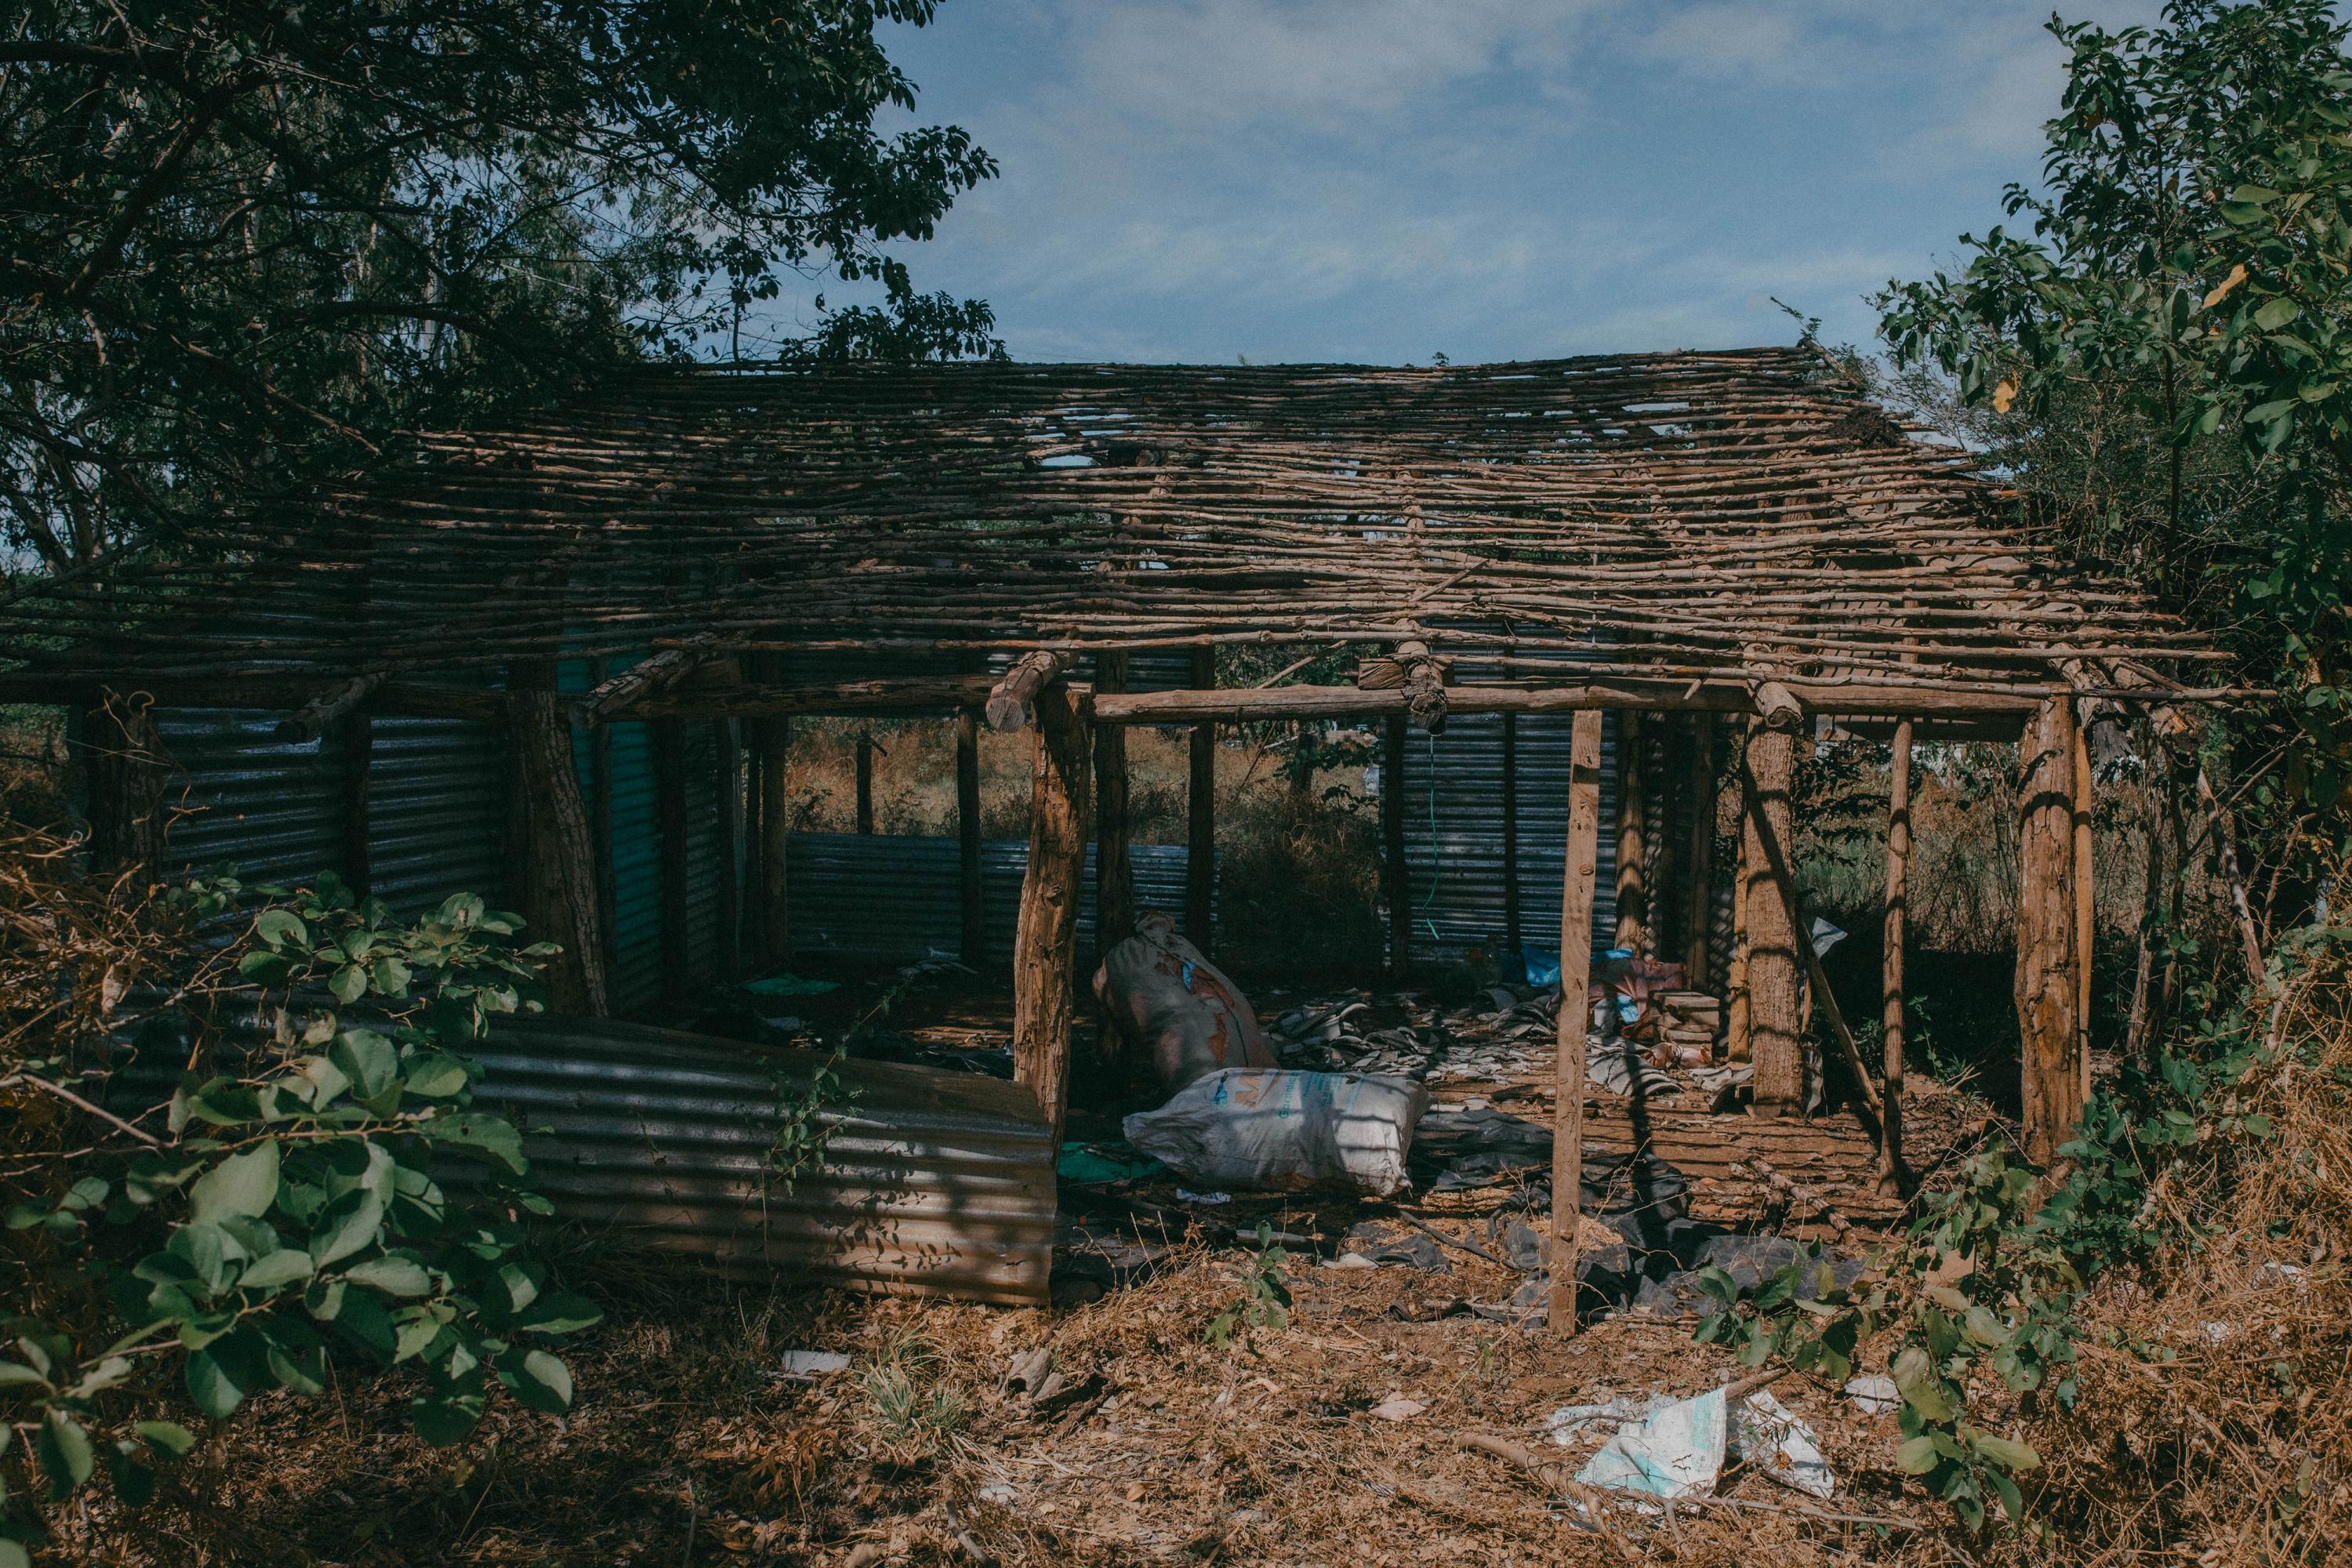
1013	701
1420	674
642	679
313	717
1778	706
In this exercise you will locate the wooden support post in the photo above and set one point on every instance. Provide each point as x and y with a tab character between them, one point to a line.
1392	865
1044	949
1575	1012
726	739
974	949
772	734
1201	835
1633	932
1011	702
2048	993
2085	897
1739	1044
1114	869
1784	880
1775	1041
1891	1172
1511	832
866	783
358	749
127	780
668	740
557	862
1699	873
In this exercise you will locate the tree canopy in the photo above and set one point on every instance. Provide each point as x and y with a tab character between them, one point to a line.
245	243
2166	360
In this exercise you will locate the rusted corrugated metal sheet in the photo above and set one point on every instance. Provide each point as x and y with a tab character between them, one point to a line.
272	806
437	811
934	1183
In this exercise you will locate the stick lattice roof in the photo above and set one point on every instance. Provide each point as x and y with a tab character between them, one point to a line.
1674	514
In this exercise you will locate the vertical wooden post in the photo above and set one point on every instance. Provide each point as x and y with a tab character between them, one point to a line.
1201	802
668	738
2048	991
2086	899
1114	869
974	951
1699	873
1511	832
1575	1012
1044	948
1898	868
1776	1043
1633	932
359	748
600	829
1400	881
725	740
556	861
128	778
866	783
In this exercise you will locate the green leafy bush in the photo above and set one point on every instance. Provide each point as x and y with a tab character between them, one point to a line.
299	1212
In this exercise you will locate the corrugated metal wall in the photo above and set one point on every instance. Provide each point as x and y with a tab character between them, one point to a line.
896	900
437	811
272	807
1453	795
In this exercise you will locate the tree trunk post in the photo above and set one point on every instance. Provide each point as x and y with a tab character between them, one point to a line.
2048	993
1891	1172
128	781
1200	828
969	892
558	862
1633	929
1576	880
1511	937
2086	889
1698	876
1776	1044
1392	865
1044	949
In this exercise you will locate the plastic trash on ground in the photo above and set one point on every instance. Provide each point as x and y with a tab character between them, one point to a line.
815	1364
1676	1451
1875	1394
1248	1131
1772	1439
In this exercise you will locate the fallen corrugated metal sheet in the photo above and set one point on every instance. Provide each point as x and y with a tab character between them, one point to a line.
934	1183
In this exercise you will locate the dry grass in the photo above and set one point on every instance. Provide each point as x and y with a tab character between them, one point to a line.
2215	1417
686	1448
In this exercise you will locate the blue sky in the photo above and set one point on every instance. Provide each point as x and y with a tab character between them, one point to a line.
1380	180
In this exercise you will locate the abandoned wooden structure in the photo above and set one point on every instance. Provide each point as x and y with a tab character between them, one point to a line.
1719	548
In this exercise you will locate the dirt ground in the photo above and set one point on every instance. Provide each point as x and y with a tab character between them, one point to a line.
691	1444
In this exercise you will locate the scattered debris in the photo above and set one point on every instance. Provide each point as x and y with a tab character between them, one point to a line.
810	1365
1396	1407
1774	1441
1276	1130
1875	1394
1190	1197
1182	1012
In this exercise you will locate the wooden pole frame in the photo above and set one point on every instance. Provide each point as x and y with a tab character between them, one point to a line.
1114	865
2048	990
773	736
1776	1044
554	859
1578	874
1511	935
1044	947
1201	818
1636	931
1891	1173
1698	909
